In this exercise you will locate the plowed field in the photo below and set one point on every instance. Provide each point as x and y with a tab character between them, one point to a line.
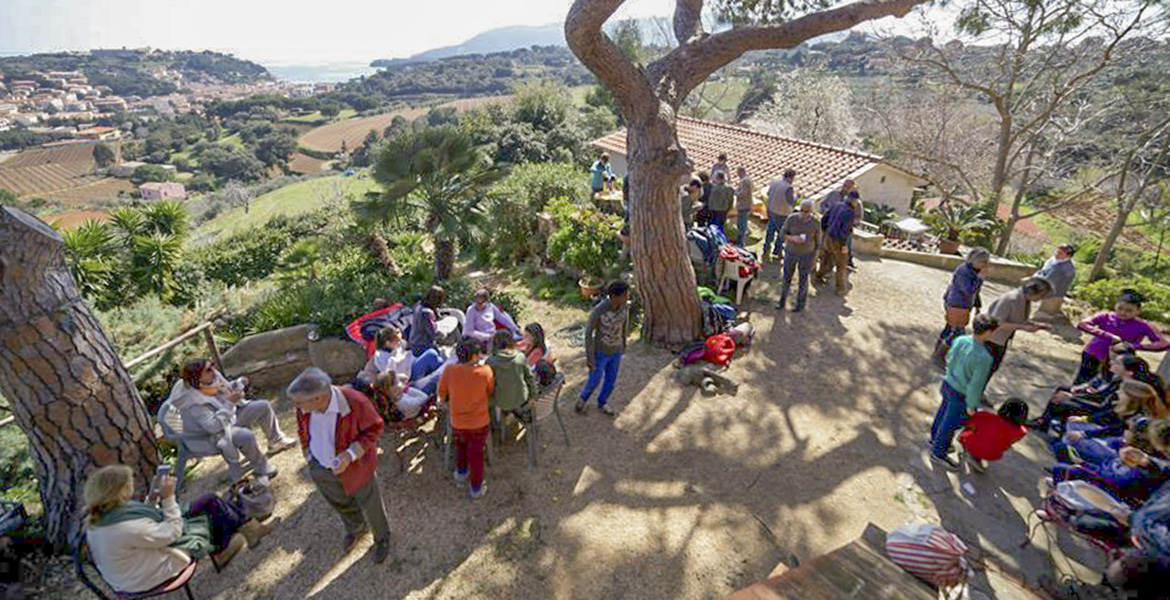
328	138
43	171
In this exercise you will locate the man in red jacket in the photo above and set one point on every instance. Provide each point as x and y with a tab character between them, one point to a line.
339	430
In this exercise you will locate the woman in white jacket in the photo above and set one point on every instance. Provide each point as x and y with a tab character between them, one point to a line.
138	546
211	406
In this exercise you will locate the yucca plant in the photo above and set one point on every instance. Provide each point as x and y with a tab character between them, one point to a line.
167	218
435	178
154	258
92	249
951	220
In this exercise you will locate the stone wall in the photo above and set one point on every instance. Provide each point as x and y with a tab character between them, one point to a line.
270	360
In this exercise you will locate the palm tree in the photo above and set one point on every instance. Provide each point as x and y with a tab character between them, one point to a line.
437	176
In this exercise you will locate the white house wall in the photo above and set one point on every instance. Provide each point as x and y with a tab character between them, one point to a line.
885	185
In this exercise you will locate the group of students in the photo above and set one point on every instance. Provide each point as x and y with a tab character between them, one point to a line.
1110	428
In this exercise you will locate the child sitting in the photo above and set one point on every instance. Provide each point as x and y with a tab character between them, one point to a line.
987	435
515	383
534	346
391	356
395	400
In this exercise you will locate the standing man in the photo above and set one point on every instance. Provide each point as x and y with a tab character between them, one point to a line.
339	430
802	235
721	166
781	200
601	175
854	200
719	204
690	200
1060	271
836	196
1013	311
837	224
743	204
605	341
968	368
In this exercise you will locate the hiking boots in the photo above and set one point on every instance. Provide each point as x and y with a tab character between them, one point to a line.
254	531
223	557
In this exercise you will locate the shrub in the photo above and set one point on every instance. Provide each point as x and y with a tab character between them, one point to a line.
585	239
516	203
255	254
1102	294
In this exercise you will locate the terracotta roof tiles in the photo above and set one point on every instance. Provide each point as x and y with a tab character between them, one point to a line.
819	167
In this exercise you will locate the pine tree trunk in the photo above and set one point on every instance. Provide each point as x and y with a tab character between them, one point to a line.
662	268
444	258
66	384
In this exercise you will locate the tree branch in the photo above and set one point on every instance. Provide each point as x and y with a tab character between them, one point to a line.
691	63
584	35
688	21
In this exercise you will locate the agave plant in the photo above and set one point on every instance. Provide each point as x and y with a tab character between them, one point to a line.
950	220
434	177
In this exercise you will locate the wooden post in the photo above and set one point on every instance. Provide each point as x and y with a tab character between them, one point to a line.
209	334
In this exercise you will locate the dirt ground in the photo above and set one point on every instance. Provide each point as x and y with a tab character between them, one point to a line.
684	496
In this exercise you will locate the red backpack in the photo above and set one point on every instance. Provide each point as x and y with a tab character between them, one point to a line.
720	347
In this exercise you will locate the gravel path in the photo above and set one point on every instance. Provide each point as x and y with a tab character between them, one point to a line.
683	496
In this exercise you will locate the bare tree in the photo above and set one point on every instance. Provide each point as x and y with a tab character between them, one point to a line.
68	389
650	97
238	194
810	104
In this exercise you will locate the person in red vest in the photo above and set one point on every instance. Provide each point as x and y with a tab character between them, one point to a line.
339	430
987	436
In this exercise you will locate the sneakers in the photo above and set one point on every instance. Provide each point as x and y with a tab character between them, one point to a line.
476	494
580	406
945	462
798	308
782	304
976	464
350	539
281	445
460	478
607	410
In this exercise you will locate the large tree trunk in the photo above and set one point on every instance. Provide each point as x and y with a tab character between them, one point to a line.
1123	210
66	384
444	258
662	267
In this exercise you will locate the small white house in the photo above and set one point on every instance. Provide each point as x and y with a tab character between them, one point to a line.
819	168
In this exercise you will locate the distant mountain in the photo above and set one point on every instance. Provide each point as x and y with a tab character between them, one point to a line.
503	39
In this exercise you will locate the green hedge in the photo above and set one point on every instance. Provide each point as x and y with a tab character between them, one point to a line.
1103	294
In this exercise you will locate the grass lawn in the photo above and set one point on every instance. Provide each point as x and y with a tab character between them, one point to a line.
312	117
232	140
294	199
346	113
719	99
579	93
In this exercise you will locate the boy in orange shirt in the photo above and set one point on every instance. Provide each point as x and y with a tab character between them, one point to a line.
466	387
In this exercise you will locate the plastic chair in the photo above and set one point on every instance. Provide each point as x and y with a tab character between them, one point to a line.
82	558
545	404
172	427
731	272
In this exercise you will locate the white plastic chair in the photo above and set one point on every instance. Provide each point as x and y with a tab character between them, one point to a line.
172	426
731	272
547	403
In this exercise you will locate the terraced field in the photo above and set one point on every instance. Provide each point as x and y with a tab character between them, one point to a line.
328	138
107	188
43	171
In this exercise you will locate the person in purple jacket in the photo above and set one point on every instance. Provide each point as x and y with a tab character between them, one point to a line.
484	317
1118	325
960	299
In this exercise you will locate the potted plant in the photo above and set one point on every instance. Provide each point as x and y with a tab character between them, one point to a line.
586	242
951	220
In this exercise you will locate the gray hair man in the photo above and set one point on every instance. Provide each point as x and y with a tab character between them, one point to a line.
1061	272
1013	310
801	233
339	430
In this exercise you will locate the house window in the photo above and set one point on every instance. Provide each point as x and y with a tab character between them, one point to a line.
883	178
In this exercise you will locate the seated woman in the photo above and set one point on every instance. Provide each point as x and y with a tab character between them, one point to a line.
1099	438
534	346
1095	396
483	318
138	546
1137	468
395	400
391	356
210	405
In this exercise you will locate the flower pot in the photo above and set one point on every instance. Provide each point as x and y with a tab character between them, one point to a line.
590	286
948	247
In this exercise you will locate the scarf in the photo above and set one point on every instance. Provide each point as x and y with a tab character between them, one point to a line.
196	537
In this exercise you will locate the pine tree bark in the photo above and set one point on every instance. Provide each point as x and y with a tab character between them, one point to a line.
68	389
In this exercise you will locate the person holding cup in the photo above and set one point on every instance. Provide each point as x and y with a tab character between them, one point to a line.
801	233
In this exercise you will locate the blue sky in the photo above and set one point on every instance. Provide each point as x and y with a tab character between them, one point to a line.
275	31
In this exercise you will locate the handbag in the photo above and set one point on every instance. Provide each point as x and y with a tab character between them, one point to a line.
255	499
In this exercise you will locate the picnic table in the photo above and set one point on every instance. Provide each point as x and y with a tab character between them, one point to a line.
857	570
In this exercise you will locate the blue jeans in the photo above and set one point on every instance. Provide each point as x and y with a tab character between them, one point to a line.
604	365
775	222
741	223
793	262
424	363
947	421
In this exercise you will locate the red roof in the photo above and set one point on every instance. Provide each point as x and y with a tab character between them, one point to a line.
765	156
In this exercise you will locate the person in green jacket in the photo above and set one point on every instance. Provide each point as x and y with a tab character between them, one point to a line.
515	383
968	368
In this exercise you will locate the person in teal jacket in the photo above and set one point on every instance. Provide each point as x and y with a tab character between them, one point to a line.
601	175
968	369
